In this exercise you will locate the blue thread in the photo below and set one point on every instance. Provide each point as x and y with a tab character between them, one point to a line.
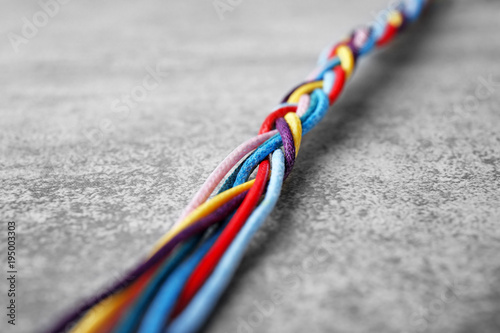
132	318
369	44
319	112
312	106
161	307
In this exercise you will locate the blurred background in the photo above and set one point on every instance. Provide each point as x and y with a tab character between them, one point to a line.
112	113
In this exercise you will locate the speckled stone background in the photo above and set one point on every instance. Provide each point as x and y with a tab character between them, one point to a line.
396	191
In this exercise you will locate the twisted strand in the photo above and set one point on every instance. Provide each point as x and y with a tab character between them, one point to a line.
191	265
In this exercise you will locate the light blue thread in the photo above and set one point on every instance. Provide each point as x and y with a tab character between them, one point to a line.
323	56
378	29
413	9
319	112
328	81
283	105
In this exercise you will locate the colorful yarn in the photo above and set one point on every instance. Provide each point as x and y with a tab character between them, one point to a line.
178	286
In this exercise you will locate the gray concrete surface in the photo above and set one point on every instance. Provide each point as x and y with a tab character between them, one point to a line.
400	182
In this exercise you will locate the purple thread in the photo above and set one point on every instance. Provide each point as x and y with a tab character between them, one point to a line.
288	145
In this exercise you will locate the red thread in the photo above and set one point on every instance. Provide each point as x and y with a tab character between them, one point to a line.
268	123
338	84
389	33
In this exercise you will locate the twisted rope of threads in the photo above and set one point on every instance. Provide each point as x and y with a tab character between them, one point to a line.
310	87
347	62
193	317
324	84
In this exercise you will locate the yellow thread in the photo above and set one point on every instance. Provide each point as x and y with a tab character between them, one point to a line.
295	125
304	89
99	313
346	59
395	19
203	210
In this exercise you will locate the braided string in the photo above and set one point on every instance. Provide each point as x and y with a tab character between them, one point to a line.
177	287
